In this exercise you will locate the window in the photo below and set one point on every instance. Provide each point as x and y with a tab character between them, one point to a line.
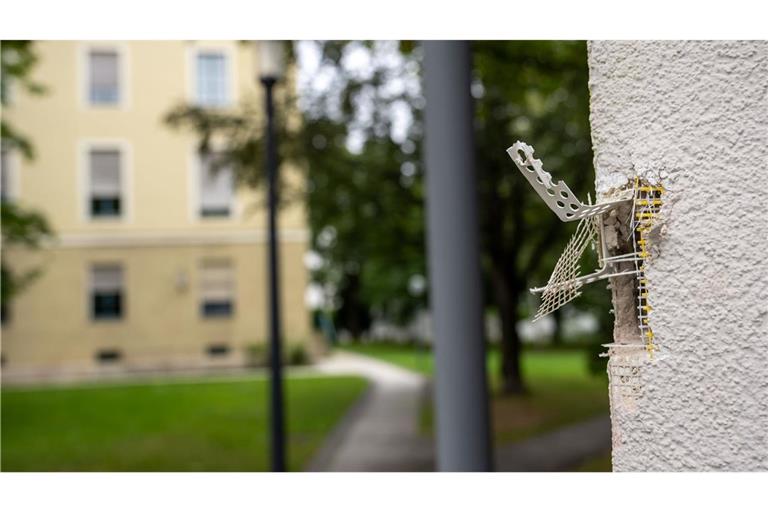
218	349
216	188
5	92
106	292
6	176
212	84
105	180
217	288
108	356
103	77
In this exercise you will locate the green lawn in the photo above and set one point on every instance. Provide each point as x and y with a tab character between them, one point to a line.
206	426
561	388
601	464
418	359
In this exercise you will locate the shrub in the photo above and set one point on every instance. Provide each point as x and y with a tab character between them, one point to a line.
256	355
297	355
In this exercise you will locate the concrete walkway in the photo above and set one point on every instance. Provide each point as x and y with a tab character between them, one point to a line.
560	450
382	432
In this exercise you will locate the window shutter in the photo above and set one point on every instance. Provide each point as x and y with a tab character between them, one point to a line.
105	173
104	76
106	278
217	281
216	187
5	171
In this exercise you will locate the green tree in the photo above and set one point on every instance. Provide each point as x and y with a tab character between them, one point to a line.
534	91
365	187
21	227
365	203
369	197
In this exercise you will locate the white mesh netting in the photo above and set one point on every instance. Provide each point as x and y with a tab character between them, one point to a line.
561	288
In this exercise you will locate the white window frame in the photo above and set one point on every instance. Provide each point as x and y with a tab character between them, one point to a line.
229	50
123	79
195	194
126	179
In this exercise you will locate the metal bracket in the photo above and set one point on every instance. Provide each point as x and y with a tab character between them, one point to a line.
557	196
564	284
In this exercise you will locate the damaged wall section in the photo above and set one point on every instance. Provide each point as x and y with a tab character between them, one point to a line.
618	240
692	115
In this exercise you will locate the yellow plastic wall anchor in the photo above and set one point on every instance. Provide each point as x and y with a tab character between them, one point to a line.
648	199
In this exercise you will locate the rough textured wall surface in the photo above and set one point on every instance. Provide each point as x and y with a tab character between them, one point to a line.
695	115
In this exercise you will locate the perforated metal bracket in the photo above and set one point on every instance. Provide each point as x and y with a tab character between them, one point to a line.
565	283
557	196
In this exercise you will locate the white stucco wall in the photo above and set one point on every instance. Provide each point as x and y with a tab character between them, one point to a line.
696	114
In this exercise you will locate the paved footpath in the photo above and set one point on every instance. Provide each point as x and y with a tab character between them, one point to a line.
382	432
560	450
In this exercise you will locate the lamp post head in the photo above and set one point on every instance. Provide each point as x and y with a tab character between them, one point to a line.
270	59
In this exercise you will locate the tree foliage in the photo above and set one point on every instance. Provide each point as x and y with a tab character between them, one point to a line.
21	226
365	204
360	140
534	91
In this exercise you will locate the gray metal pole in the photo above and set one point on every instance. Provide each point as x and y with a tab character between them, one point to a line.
461	389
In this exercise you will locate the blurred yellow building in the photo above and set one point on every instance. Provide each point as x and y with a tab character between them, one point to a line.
158	263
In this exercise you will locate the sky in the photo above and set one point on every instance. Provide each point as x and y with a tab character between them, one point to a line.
315	78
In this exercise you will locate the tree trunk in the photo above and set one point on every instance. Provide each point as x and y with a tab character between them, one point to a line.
557	334
352	314
507	301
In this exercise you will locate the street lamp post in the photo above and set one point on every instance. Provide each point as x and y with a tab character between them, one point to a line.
270	58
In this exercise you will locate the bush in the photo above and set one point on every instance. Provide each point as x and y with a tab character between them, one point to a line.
256	355
297	355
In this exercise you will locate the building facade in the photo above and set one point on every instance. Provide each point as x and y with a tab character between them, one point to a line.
159	259
692	116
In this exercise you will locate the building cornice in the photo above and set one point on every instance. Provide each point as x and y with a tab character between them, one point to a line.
174	238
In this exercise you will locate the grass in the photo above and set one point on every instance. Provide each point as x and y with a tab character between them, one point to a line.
205	426
412	357
600	464
561	388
